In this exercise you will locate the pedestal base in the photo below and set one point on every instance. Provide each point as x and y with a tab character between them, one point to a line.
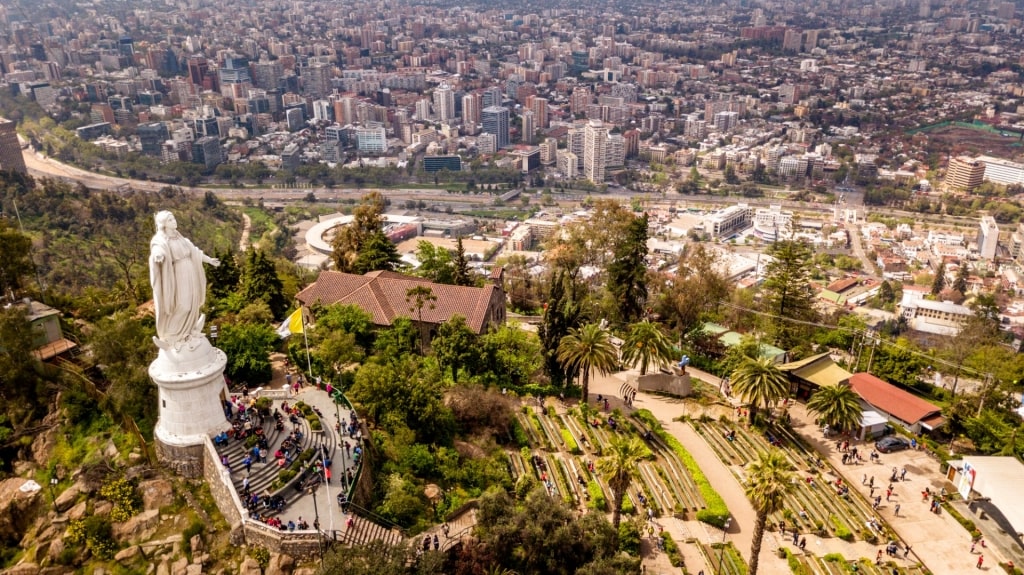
191	387
184	460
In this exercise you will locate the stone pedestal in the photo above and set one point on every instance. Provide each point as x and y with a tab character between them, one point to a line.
678	383
191	383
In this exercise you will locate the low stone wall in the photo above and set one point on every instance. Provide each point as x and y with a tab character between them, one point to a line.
678	385
302	545
271	393
219	481
184	460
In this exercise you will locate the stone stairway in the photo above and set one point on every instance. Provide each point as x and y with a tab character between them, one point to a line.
262	475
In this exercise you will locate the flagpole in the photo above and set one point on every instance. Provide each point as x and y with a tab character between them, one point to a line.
305	338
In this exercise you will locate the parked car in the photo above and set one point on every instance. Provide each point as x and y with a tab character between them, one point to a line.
891	443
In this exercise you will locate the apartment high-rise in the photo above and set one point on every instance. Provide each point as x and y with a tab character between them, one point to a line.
471	106
529	127
10	148
495	121
444	103
539	106
595	136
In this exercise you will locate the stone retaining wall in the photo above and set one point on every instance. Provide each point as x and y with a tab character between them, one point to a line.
184	460
302	545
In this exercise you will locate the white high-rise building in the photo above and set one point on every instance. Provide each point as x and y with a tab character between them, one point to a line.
529	126
575	143
423	109
988	237
615	151
594	154
444	103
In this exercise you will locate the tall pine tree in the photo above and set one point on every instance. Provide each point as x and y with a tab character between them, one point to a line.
462	274
787	294
261	282
627	274
223	279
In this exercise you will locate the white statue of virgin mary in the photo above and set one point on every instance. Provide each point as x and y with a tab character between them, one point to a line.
179	283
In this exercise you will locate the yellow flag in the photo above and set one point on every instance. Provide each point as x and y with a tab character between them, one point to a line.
291	325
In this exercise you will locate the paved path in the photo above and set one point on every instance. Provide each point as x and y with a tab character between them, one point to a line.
741	529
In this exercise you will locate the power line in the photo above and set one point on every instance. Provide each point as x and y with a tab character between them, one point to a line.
874	337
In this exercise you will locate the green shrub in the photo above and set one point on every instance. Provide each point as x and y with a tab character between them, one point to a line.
286	475
672	550
597	500
842	531
834	558
570	442
629	538
263	404
123	495
96	533
716	512
195	528
518	434
627	506
794	563
251	441
315	424
261	555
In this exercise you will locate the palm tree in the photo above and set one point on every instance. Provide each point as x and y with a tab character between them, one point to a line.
769	479
619	467
838	406
586	348
646	345
760	383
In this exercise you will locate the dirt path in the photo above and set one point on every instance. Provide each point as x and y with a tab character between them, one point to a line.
243	242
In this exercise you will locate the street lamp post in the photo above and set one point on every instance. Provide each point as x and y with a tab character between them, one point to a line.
319	533
53	495
721	550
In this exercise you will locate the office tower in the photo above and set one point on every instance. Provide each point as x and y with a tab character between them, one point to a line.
10	148
152	136
197	69
235	70
529	127
266	74
206	151
372	140
323	111
444	103
964	174
316	80
594	155
471	111
491	97
495	121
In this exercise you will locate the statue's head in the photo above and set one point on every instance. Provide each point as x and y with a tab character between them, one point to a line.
163	218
